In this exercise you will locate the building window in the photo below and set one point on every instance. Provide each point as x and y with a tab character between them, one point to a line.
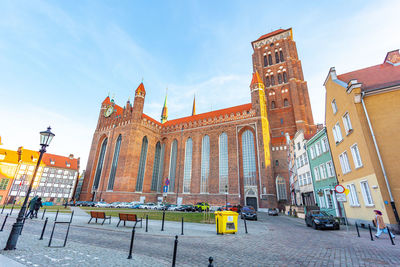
330	169
273	104
325	144
281	121
276	162
322	168
328	198
353	195
298	146
334	107
172	165
305	158
316	174
272	80
337	133
321	201
318	149
269	59
285	102
281	188
100	162
267	82
309	177
366	193
114	164
279	78
223	162
356	156
156	179
205	164
142	165
312	152
347	123
4	183
276	57
249	158
344	162
285	77
281	56
187	172
265	61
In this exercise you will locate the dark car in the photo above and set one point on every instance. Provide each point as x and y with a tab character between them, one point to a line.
320	220
248	213
186	208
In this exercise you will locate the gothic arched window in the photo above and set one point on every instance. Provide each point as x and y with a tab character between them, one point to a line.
285	102
187	172
284	77
272	80
249	158
100	162
267	82
156	179
281	188
270	59
279	78
265	61
114	164
172	165
142	165
273	104
281	56
223	162
276	57
205	164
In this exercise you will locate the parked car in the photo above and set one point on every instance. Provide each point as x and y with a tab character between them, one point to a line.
136	206
114	204
231	208
320	219
102	204
149	206
202	206
273	212
249	213
173	207
186	208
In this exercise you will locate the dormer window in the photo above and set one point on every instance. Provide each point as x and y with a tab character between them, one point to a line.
52	162
68	164
334	107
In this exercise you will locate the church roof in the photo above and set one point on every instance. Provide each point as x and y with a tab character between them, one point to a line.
256	79
151	119
271	34
118	109
140	89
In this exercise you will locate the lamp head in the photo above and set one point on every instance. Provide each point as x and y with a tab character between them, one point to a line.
46	137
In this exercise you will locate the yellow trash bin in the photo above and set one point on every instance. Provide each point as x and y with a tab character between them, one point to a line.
226	222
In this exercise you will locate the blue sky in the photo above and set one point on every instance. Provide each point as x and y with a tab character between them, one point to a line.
60	59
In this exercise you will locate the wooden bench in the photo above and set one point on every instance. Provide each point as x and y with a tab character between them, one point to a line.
99	215
129	217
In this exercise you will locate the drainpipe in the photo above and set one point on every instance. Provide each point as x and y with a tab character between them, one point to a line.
396	215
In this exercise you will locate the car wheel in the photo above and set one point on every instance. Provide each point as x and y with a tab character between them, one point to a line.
337	227
256	219
314	225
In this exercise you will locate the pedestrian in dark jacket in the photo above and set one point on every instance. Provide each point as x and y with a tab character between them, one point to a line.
31	207
38	205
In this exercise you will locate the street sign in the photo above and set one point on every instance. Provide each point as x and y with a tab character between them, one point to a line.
341	197
339	189
165	188
167	182
164	194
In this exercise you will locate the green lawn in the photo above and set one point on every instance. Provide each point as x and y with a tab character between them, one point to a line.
196	217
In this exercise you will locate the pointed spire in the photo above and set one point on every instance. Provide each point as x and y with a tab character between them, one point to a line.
194	106
140	90
164	112
256	81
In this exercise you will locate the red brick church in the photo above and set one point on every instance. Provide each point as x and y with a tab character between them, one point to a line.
238	153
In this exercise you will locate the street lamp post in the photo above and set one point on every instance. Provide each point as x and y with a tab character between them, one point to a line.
45	139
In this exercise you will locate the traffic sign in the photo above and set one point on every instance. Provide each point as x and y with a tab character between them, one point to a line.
341	197
167	182
165	188
339	189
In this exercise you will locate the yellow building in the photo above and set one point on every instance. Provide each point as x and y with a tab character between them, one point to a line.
362	115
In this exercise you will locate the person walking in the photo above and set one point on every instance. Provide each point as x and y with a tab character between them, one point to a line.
380	224
31	207
38	205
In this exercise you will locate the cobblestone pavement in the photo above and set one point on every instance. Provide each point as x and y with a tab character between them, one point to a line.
272	241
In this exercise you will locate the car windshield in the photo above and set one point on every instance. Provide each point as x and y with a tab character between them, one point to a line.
248	208
319	214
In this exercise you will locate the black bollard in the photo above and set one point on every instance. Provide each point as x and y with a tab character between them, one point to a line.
358	232
147	222
390	235
131	246
175	247
217	227
210	262
22	227
182	227
55	219
3	208
245	224
163	217
44	211
44	228
4	223
370	232
12	208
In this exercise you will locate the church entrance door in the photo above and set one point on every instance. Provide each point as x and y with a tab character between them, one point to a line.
251	201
